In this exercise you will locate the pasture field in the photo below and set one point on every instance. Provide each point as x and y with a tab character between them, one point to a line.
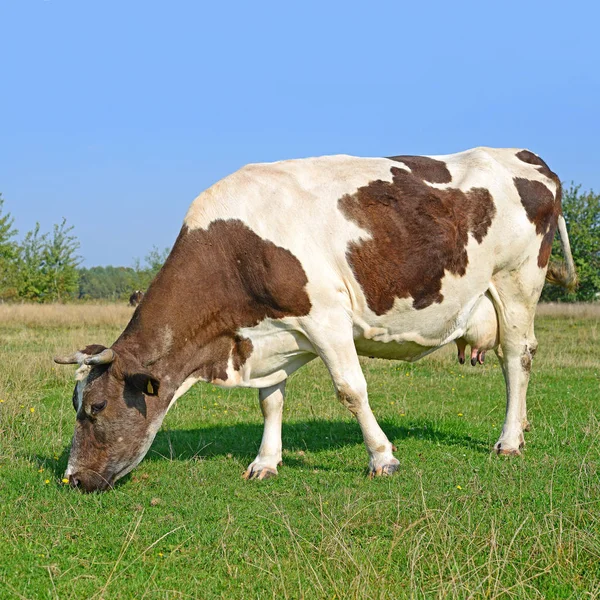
455	522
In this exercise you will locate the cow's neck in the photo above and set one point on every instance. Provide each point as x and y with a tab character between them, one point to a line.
173	352
177	331
216	282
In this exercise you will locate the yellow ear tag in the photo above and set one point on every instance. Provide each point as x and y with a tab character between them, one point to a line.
149	388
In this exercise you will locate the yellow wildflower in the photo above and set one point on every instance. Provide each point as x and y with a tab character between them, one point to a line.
32	410
458	487
47	481
65	480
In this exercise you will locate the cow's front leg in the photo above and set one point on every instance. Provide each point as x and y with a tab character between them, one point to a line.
269	455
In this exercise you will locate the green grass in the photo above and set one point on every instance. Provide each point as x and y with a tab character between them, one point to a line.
455	522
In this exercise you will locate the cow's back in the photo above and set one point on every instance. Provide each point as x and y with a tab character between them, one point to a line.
406	244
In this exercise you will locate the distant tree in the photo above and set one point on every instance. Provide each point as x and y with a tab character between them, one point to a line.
8	254
582	214
110	283
117	283
60	262
31	278
155	259
47	264
153	262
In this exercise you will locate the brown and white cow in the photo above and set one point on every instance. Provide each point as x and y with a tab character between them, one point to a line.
136	297
334	257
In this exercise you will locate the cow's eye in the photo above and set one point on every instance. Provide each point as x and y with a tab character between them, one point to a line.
98	407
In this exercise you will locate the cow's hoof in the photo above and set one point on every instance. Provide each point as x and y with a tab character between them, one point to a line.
259	473
508	452
384	470
504	449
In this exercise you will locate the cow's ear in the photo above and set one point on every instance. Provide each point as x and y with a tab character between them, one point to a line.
144	383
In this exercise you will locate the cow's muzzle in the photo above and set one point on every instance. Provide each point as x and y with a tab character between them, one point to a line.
90	481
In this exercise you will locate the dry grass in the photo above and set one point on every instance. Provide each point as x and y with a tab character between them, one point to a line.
576	310
117	315
65	315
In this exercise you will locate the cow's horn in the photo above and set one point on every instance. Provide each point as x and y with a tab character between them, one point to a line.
105	357
73	359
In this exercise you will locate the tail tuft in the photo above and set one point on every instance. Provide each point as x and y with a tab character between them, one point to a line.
559	274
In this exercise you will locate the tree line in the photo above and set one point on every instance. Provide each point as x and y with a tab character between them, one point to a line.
46	267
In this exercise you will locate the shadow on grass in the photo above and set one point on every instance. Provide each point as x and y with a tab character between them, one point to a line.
243	439
56	464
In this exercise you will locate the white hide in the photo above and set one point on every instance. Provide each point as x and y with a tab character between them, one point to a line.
294	204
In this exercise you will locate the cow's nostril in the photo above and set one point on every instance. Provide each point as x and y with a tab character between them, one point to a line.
73	481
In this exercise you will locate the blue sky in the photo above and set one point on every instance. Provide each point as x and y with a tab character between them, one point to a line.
116	115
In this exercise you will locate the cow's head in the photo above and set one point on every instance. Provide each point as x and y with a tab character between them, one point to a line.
118	411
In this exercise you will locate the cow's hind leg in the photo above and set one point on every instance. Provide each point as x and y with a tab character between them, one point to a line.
336	348
269	455
515	296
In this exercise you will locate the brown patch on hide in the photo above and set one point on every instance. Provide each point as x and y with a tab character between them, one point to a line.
533	159
214	282
241	351
419	233
543	210
428	169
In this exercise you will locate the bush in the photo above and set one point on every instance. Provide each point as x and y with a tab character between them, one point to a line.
582	214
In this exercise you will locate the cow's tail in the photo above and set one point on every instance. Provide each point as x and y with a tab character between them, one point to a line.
563	273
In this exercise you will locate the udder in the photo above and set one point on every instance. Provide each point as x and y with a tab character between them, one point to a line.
481	333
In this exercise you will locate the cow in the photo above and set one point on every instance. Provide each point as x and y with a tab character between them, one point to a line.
333	257
136	297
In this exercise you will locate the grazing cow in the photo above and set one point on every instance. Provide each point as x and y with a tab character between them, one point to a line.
136	297
333	257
